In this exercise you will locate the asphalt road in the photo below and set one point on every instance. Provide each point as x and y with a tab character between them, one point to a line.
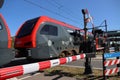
95	63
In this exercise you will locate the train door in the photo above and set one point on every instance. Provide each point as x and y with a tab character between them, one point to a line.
42	49
47	42
54	40
5	43
67	40
50	34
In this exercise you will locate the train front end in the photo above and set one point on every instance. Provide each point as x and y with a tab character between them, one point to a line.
25	38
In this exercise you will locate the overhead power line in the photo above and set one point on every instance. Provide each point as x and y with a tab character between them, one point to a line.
37	5
65	9
68	11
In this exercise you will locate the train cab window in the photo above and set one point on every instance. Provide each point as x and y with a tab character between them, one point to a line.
49	30
27	28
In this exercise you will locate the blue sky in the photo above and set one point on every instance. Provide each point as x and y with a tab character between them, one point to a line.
69	11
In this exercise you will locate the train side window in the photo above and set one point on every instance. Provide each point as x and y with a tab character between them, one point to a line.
49	30
53	30
0	26
45	30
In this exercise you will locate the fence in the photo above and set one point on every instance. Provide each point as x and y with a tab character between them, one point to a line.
14	71
111	64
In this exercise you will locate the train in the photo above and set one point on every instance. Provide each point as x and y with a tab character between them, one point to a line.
44	37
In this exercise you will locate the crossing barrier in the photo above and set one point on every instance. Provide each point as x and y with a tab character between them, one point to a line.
6	73
111	59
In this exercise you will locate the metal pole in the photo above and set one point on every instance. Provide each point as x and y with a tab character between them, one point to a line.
118	65
107	45
104	68
88	69
106	25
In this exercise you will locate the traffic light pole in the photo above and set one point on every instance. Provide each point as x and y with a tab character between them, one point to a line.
88	69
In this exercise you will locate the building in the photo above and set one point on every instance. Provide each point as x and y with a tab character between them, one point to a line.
114	39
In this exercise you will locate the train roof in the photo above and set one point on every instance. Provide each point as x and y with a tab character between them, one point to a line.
48	19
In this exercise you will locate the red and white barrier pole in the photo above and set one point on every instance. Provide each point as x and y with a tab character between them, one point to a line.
111	71
111	62
14	71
